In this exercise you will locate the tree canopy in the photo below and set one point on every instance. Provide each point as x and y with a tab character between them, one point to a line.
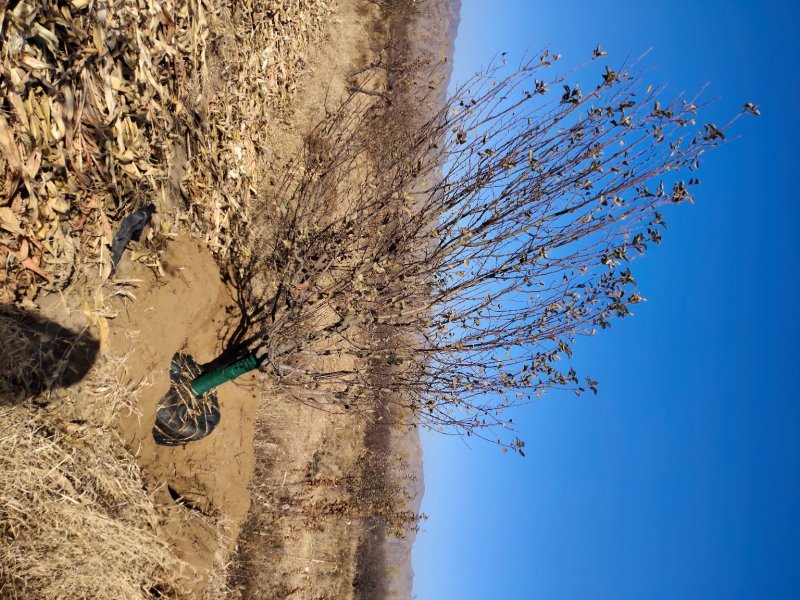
455	258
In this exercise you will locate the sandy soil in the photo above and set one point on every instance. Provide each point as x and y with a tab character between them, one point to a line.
182	305
279	555
179	304
187	309
228	497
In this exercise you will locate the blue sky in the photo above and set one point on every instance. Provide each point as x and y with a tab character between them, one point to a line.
681	479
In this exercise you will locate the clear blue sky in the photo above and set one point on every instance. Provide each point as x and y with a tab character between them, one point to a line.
681	479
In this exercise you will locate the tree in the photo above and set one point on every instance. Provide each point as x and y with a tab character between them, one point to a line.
447	264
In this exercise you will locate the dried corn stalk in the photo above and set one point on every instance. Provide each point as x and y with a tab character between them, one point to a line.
107	104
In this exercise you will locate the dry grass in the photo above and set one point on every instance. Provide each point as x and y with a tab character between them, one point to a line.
257	53
109	105
91	101
75	521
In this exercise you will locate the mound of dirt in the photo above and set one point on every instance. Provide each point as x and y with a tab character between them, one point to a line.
148	312
187	309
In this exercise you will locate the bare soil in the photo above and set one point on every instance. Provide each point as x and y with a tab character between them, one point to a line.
228	505
188	309
257	550
207	485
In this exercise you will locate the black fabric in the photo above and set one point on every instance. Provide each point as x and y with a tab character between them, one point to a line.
181	417
130	229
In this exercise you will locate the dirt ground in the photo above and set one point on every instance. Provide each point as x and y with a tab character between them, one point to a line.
228	504
182	305
279	556
187	310
151	313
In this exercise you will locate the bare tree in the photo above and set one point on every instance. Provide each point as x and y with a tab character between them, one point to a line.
448	263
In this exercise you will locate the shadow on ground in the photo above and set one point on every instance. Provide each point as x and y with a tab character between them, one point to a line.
37	354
